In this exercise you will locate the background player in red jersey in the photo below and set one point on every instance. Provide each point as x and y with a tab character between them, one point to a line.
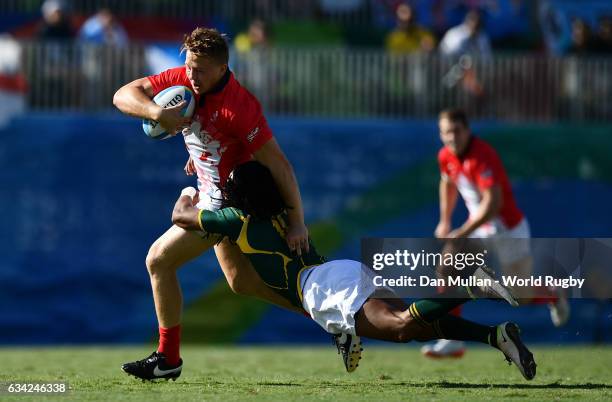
227	128
471	167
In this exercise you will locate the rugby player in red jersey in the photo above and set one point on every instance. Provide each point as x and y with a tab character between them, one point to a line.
471	167
228	128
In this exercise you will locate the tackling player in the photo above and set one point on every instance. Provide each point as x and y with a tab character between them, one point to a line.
336	294
227	128
471	167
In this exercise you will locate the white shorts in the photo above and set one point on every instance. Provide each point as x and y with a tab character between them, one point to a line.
510	245
334	292
209	203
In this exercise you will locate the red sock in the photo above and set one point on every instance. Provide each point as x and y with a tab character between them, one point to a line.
169	344
456	311
545	296
544	300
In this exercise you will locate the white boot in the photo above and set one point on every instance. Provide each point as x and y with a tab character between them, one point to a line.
444	348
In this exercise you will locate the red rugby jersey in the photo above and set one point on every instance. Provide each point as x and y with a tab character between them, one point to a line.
480	168
228	126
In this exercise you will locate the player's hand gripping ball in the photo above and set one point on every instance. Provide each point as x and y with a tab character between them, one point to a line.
167	98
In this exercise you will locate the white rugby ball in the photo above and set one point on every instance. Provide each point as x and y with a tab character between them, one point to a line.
169	97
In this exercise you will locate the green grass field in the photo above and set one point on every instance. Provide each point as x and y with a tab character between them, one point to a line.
314	373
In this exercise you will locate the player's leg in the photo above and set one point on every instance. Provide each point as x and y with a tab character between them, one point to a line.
555	299
515	257
450	348
423	320
521	268
242	277
447	348
379	319
505	337
168	253
384	319
428	319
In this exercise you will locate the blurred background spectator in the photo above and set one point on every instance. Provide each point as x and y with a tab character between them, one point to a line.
582	39
255	38
57	62
466	44
13	87
252	62
408	36
467	38
56	24
603	44
103	28
102	35
326	55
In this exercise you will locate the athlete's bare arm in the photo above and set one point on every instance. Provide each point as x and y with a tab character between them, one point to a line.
490	204
271	156
134	99
448	201
186	216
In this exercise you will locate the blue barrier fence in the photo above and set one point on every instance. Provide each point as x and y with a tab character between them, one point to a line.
82	198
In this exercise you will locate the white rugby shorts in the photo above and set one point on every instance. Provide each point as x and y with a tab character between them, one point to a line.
510	245
334	292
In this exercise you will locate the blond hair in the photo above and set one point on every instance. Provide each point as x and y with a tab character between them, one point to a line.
207	42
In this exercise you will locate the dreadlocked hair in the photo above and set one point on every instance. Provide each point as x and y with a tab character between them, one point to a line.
252	189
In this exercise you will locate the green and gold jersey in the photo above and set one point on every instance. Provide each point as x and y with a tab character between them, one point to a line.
263	242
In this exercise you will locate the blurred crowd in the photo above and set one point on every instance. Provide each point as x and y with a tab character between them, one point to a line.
100	28
586	41
451	39
466	38
451	28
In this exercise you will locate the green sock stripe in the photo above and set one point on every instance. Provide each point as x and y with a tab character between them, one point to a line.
416	315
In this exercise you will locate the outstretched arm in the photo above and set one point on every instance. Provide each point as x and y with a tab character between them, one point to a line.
489	207
271	156
134	99
244	280
185	215
240	274
448	201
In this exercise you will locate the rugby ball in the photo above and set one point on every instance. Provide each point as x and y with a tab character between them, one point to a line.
169	97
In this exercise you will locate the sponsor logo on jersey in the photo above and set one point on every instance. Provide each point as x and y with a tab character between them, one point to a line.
214	116
253	134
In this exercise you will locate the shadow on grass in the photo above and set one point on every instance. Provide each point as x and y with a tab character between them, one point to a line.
442	384
554	385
